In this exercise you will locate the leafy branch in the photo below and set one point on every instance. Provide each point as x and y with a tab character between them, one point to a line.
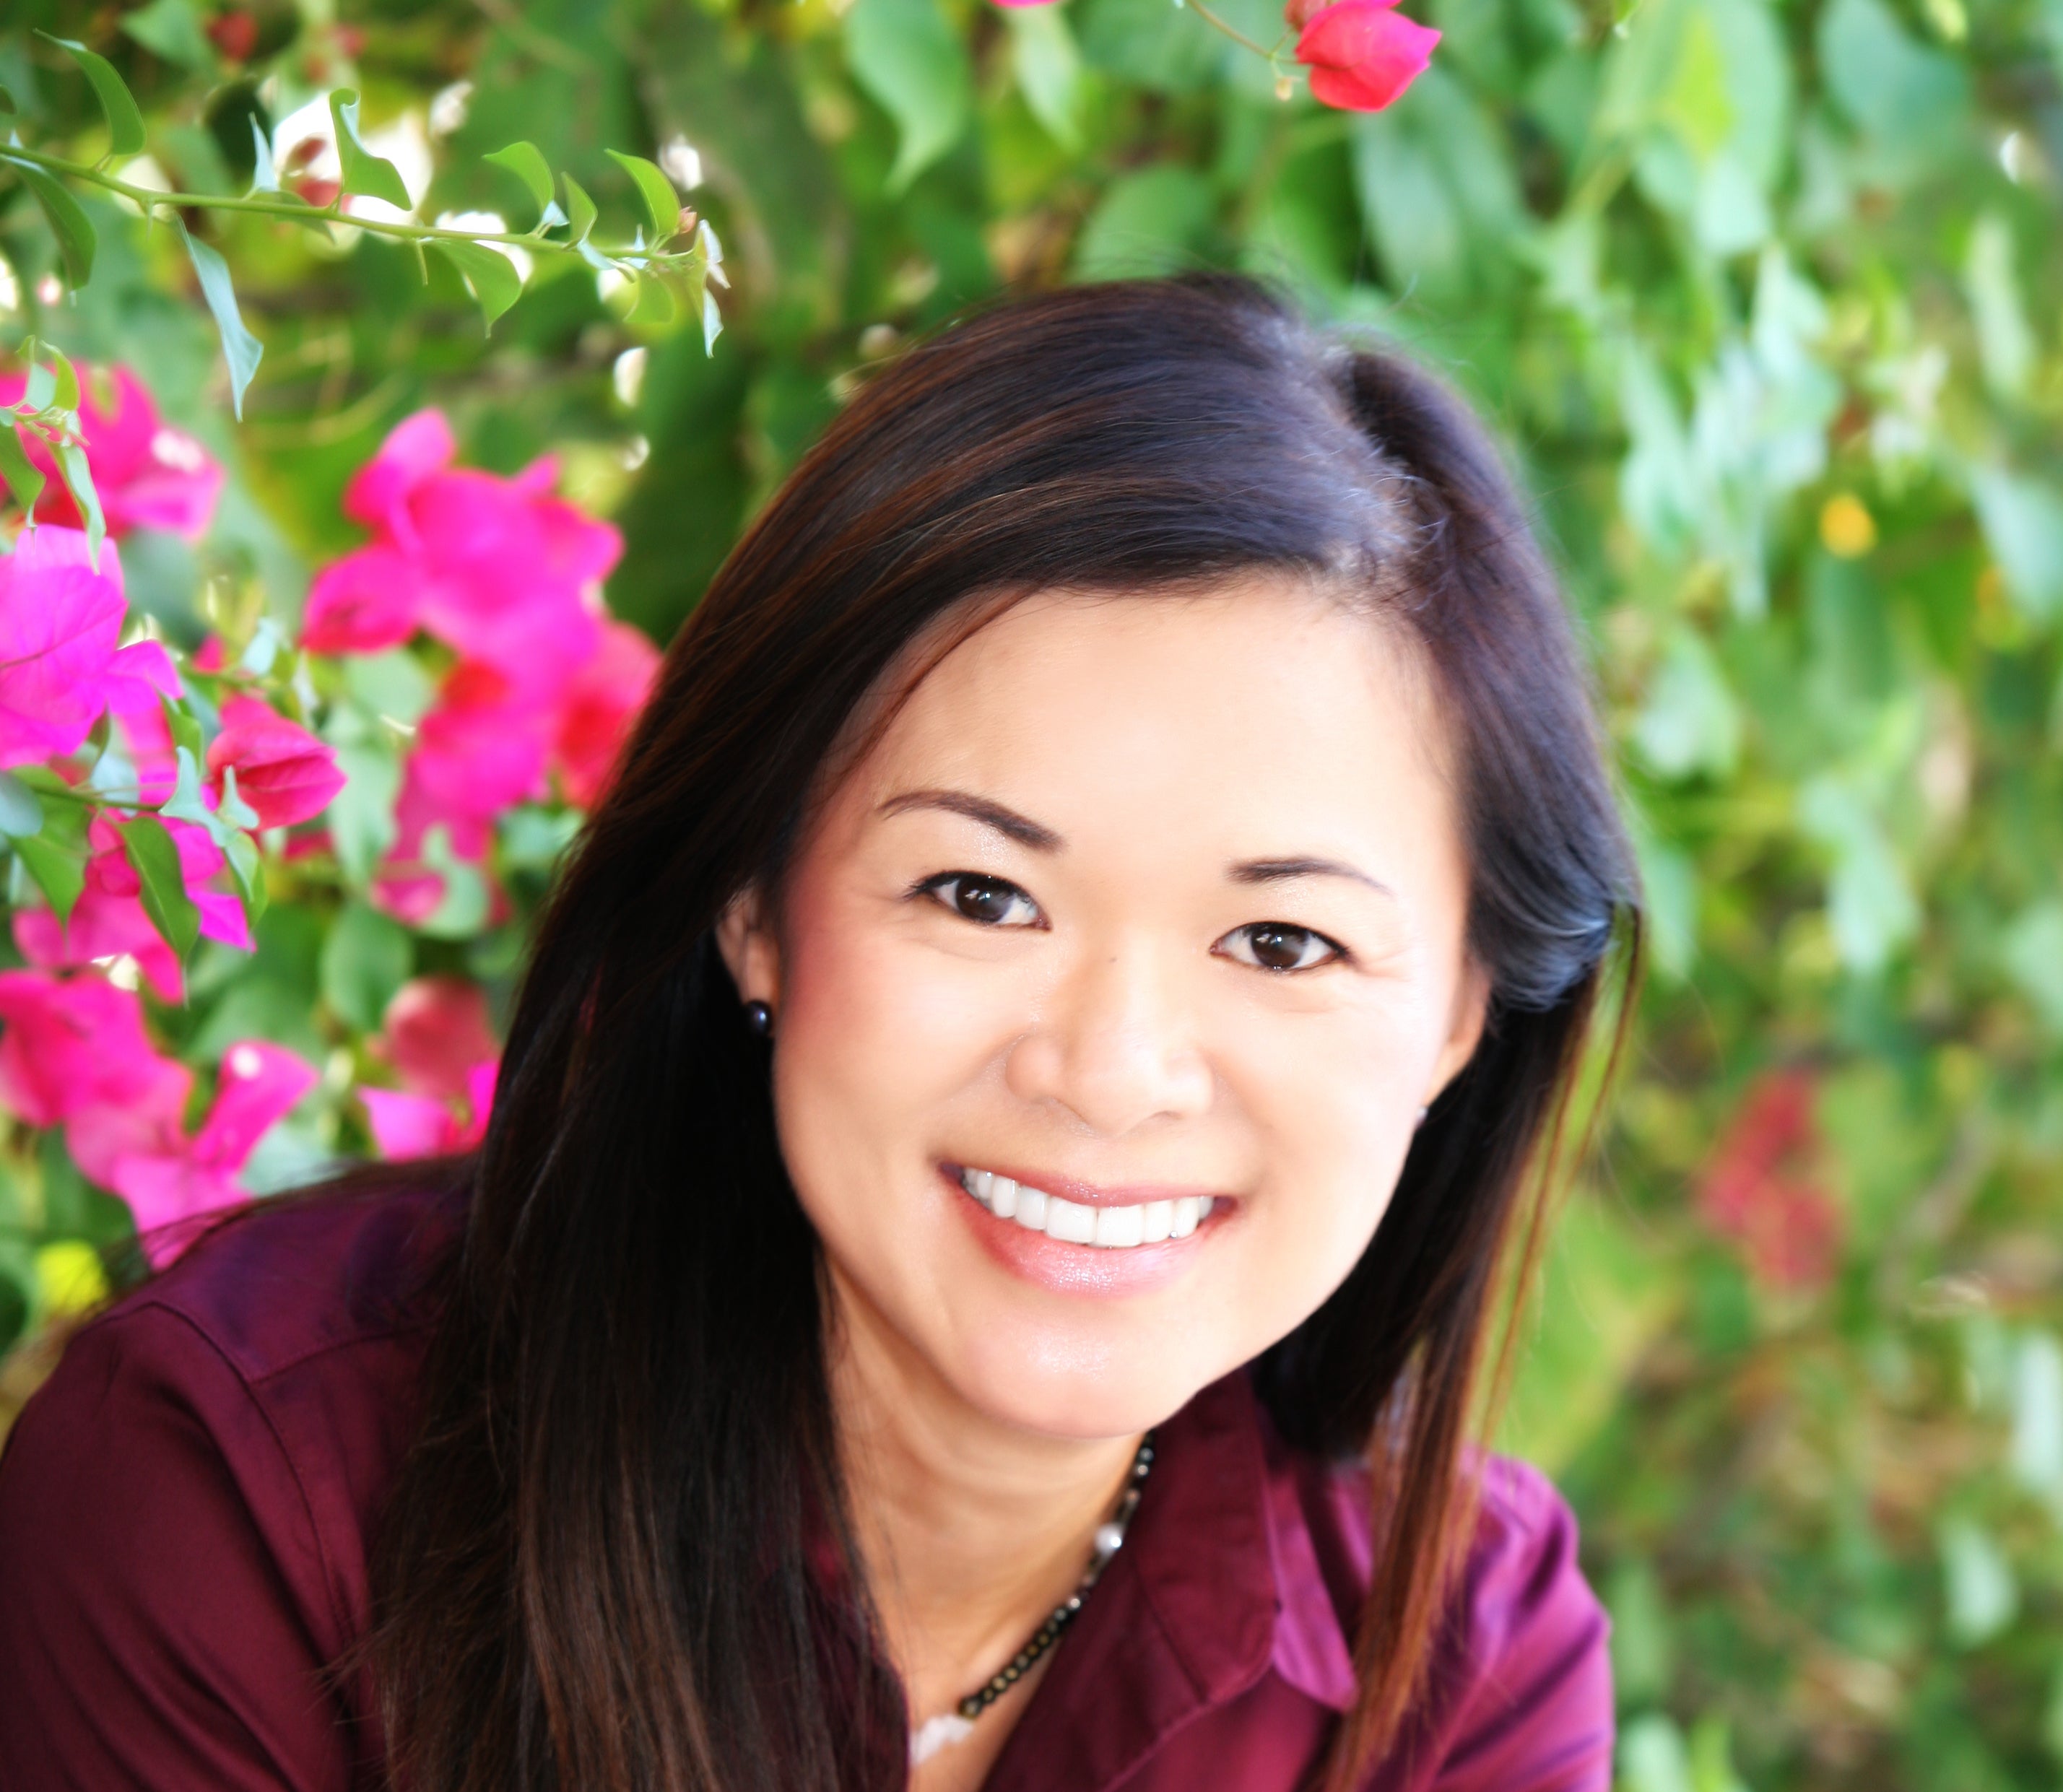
669	271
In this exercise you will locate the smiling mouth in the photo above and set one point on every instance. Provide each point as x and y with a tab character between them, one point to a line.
1100	1228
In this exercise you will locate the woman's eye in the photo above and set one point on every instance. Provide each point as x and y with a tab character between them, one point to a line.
1277	946
990	902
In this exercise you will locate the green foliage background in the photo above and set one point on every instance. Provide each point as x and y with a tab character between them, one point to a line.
1763	296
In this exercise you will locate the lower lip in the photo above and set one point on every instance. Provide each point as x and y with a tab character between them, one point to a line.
1078	1268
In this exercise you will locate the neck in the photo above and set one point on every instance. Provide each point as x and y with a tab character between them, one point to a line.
971	1531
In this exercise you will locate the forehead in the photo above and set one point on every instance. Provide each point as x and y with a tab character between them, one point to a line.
1260	694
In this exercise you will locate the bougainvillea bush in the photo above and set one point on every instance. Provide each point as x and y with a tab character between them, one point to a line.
388	773
1765	297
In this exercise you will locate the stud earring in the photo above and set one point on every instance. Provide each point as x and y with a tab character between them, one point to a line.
1420	1121
759	1017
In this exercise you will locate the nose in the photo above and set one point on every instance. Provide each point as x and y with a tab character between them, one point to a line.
1115	1044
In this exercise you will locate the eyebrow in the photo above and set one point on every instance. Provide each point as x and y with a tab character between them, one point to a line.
1042	839
1005	821
1276	870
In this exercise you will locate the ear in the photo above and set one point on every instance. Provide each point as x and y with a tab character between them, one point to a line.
744	936
1470	1014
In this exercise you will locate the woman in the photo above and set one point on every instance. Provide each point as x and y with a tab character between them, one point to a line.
980	1261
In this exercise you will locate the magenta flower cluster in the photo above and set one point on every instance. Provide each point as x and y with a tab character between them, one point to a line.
538	689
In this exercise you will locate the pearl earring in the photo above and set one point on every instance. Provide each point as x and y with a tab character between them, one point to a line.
759	1017
1420	1121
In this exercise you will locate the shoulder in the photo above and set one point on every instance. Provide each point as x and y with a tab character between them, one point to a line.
1518	1697
197	1478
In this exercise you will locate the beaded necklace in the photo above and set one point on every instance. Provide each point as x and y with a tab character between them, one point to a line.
952	1726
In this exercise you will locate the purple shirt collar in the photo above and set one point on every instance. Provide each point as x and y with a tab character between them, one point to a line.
1219	1582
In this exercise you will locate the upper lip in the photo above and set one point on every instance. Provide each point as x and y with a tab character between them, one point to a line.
1093	1194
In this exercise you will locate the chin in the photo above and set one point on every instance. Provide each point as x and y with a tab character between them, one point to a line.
1064	1384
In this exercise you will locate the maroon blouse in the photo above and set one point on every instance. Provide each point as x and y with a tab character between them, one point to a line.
184	1508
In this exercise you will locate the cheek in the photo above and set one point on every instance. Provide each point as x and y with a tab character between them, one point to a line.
874	1038
1335	1107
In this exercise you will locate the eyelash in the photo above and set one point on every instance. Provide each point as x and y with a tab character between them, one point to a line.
941	889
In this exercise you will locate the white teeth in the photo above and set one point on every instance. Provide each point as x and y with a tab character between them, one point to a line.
1118	1227
1069	1221
1114	1228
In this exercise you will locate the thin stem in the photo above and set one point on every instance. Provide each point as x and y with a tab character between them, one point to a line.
297	212
1212	20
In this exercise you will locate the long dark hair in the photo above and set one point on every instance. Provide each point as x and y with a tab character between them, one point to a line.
605	1564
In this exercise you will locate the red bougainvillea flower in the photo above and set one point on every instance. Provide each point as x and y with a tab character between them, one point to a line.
437	1036
598	708
70	1043
148	475
1765	1188
1361	54
436	1032
282	771
142	1150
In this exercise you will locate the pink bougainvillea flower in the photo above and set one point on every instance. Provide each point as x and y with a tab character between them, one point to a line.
108	920
60	628
148	476
1765	1187
365	603
415	448
173	1181
1361	54
70	1043
406	1125
436	1032
282	771
598	710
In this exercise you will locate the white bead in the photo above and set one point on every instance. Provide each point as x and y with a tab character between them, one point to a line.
937	1732
1109	1539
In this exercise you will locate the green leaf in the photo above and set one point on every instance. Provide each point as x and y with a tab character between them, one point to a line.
364	172
1048	69
59	870
365	959
907	56
21	811
653	303
6	104
125	123
64	395
240	349
78	481
1978	1588
242	852
61	211
491	275
265	177
154	855
1150	221
662	203
24	477
188	801
525	161
2023	522
361	816
171	29
580	213
463	910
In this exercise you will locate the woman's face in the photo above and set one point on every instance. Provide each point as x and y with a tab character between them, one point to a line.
1109	986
